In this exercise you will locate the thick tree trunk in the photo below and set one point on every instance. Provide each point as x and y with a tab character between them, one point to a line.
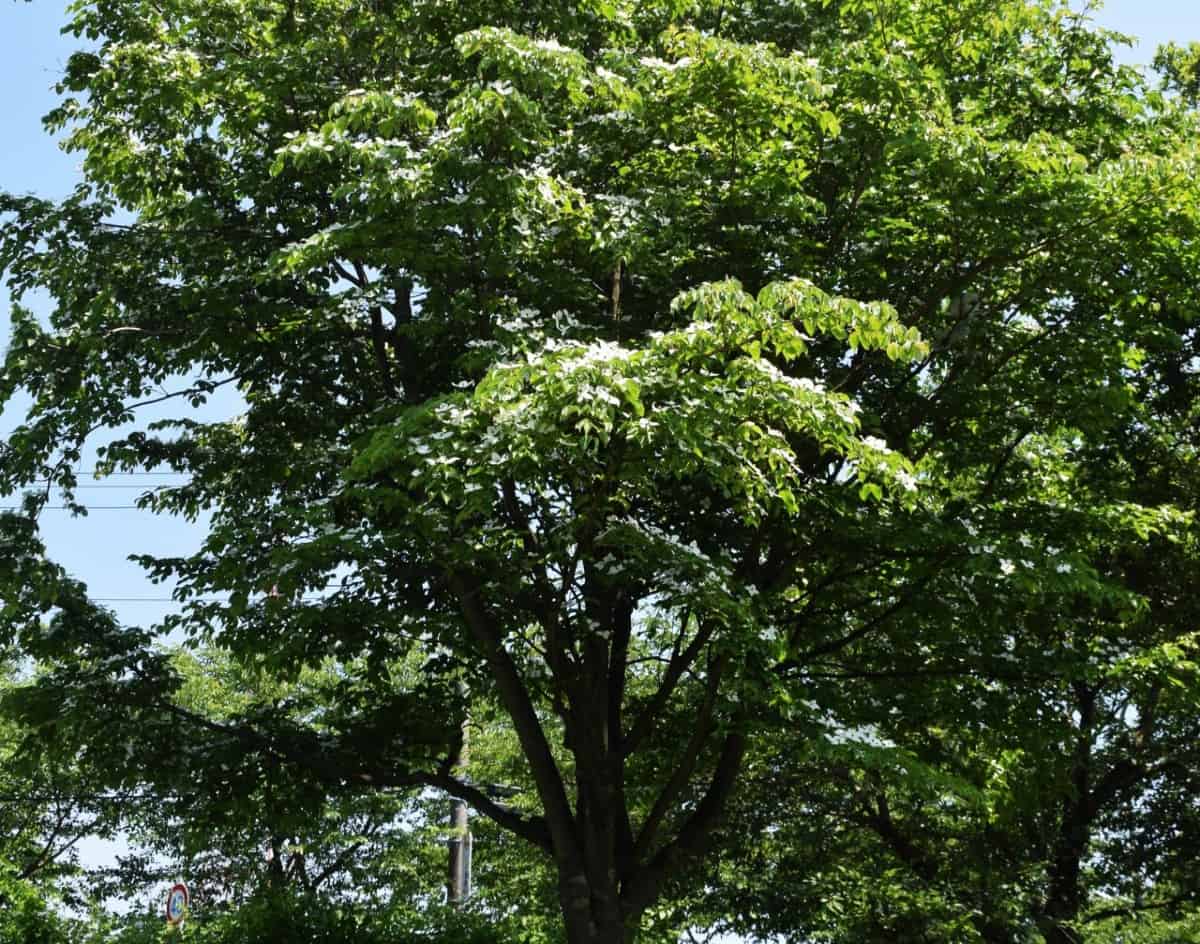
1065	897
603	934
1056	933
595	919
994	932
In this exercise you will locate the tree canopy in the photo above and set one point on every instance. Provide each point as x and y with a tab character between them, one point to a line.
791	396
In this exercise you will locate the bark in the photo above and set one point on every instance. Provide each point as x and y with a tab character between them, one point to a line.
1057	933
1064	899
604	932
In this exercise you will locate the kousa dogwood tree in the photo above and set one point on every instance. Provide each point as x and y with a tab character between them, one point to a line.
619	364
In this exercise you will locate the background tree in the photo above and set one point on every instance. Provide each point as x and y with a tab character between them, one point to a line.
1180	68
249	829
1052	783
47	806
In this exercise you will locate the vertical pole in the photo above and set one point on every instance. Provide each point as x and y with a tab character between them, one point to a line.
458	880
459	884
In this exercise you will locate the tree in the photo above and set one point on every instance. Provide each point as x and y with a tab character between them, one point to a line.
1050	785
581	350
245	828
1180	68
47	806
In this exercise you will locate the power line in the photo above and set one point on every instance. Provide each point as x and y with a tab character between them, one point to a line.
155	600
101	473
303	596
73	508
144	485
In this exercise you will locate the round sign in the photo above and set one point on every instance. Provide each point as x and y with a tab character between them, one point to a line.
177	903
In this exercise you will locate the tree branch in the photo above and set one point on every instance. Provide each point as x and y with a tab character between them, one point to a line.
867	628
686	765
515	698
644	885
1130	910
378	341
680	662
531	829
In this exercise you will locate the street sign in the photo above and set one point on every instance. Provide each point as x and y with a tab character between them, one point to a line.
177	904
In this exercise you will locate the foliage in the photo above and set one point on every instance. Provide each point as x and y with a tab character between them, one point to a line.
1180	68
713	392
26	914
297	917
1148	930
47	805
245	828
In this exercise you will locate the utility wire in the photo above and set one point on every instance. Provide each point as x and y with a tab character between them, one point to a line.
145	485
303	596
115	473
71	508
105	475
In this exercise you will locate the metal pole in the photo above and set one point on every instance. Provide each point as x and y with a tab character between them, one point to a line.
458	880
459	884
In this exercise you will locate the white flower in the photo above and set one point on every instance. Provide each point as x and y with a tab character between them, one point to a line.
1007	567
1063	569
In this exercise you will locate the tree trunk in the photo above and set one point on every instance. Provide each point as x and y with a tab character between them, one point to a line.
595	919
1066	897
